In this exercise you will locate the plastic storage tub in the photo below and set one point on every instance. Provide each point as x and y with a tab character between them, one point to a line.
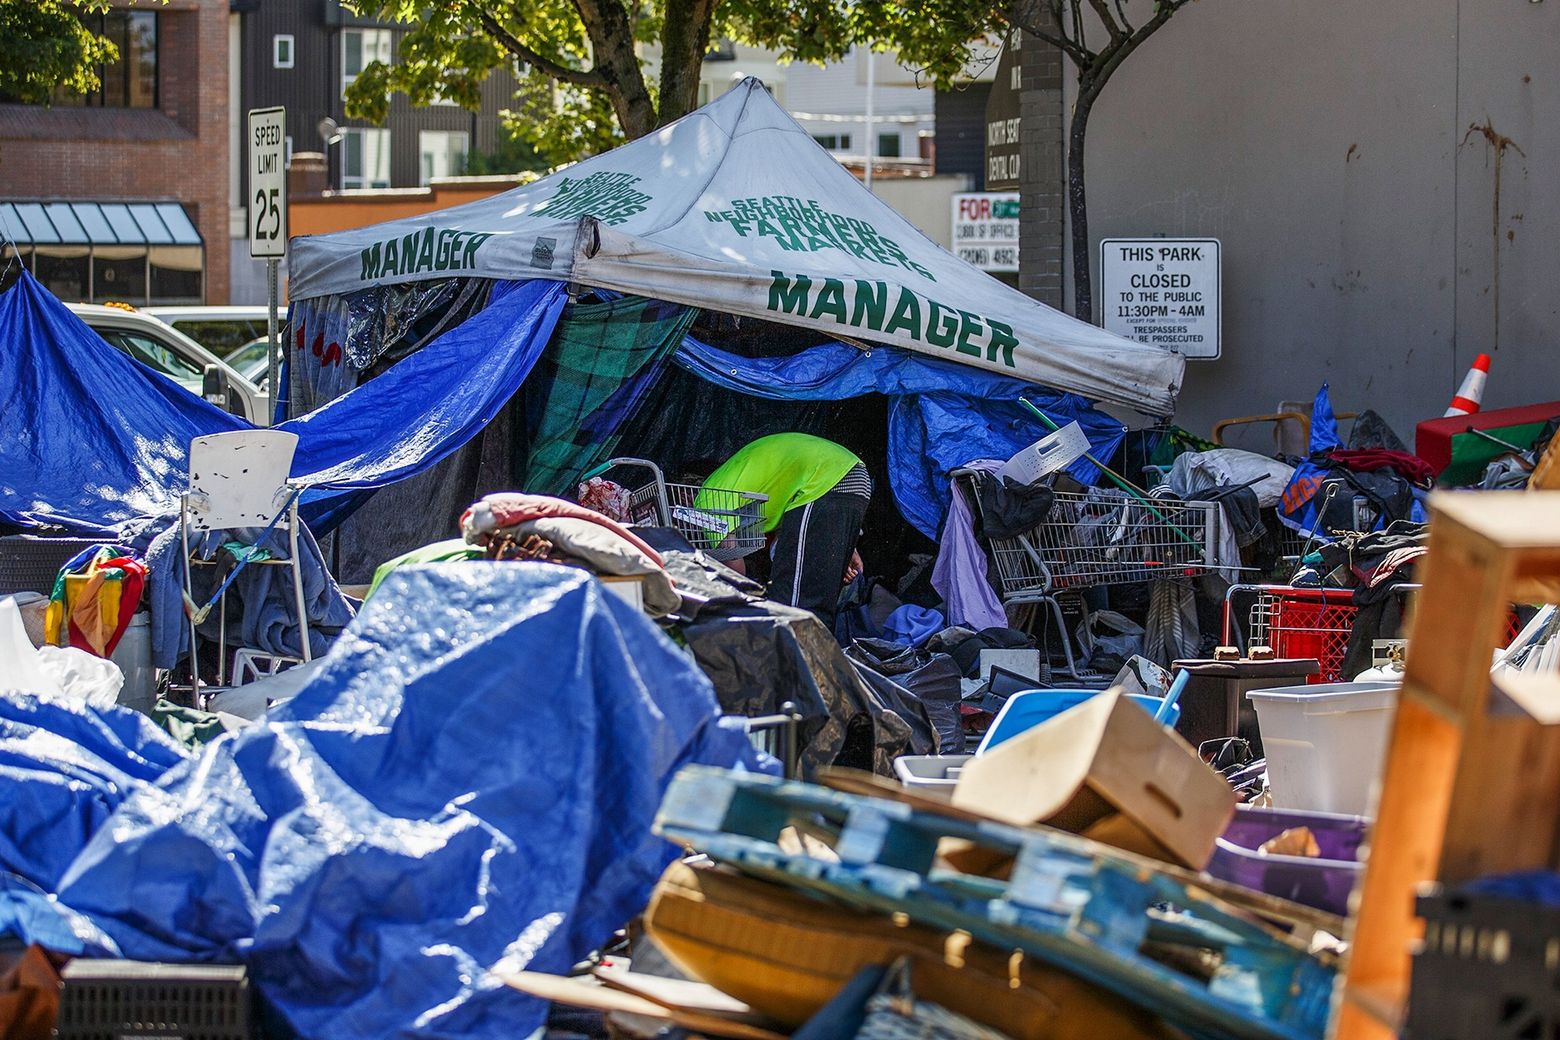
1325	744
930	774
1029	708
1324	882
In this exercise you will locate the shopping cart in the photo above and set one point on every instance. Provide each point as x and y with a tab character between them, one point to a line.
726	524
1092	539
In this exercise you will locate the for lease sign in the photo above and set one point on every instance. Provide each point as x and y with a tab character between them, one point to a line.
1163	291
985	229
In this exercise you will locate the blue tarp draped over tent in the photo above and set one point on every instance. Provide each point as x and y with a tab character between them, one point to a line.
414	819
943	415
90	439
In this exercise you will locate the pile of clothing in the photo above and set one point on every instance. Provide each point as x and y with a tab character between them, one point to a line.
515	526
1373	564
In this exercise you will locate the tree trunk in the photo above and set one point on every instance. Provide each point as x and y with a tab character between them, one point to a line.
1078	205
685	39
612	46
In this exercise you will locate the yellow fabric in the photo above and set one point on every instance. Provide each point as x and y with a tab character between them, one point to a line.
93	600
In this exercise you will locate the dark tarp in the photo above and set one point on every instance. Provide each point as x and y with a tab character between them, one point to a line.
90	439
466	786
763	654
942	416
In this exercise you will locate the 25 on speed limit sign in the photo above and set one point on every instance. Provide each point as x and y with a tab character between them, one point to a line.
267	145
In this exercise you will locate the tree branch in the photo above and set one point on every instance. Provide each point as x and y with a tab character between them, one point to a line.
512	43
1121	15
1162	15
1103	10
1025	17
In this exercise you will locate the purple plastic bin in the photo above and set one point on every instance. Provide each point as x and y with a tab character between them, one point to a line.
1323	883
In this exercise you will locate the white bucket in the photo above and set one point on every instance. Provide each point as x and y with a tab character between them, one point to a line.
1326	744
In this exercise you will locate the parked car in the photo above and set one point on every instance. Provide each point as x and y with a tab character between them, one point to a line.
167	350
221	330
252	361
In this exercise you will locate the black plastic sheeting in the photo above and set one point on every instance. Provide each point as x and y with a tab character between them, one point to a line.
932	679
761	655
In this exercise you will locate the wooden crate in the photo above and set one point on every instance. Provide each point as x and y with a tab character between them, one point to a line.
1472	777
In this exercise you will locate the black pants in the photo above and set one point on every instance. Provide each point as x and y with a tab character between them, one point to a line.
812	548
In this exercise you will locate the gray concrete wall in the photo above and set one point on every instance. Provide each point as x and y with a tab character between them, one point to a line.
1323	141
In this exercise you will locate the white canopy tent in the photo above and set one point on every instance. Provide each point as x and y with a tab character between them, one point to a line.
735	208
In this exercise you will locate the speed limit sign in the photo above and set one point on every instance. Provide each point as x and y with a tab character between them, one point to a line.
267	182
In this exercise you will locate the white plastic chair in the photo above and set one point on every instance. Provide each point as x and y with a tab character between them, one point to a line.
239	480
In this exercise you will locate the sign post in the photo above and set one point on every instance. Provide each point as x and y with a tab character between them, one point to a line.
268	217
985	229
1163	291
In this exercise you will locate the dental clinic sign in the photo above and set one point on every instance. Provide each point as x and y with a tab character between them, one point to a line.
1163	291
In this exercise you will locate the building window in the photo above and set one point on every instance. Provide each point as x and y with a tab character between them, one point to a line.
282	51
365	158
888	146
130	82
834	142
359	49
443	153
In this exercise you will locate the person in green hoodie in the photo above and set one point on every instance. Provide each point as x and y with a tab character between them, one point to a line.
818	493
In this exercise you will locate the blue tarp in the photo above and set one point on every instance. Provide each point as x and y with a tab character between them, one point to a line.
466	786
943	415
90	439
88	436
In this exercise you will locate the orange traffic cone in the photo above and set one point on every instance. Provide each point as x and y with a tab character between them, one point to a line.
1472	390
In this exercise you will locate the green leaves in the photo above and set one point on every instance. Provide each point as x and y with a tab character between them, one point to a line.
575	91
44	45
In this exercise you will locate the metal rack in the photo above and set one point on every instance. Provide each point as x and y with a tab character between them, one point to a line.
726	524
1093	539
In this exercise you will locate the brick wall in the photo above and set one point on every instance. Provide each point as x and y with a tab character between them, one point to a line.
179	151
1042	184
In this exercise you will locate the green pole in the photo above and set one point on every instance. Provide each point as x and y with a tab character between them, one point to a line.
1120	481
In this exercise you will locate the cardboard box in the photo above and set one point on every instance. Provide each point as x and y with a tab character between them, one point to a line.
1108	771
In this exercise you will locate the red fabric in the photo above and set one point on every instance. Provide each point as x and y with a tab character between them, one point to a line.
1411	468
129	598
514	507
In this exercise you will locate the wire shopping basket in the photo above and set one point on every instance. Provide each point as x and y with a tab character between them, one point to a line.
1088	541
724	523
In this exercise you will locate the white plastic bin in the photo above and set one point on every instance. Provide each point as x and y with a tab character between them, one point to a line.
1325	744
930	774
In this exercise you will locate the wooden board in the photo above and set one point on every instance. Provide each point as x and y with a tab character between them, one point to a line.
1253	905
1464	792
674	994
587	993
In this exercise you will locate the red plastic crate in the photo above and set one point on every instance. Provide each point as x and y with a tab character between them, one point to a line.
1315	623
1306	623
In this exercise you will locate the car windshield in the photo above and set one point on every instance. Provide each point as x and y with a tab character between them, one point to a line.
250	360
156	356
222	336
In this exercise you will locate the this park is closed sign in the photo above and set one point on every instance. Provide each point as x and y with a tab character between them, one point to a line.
1163	291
